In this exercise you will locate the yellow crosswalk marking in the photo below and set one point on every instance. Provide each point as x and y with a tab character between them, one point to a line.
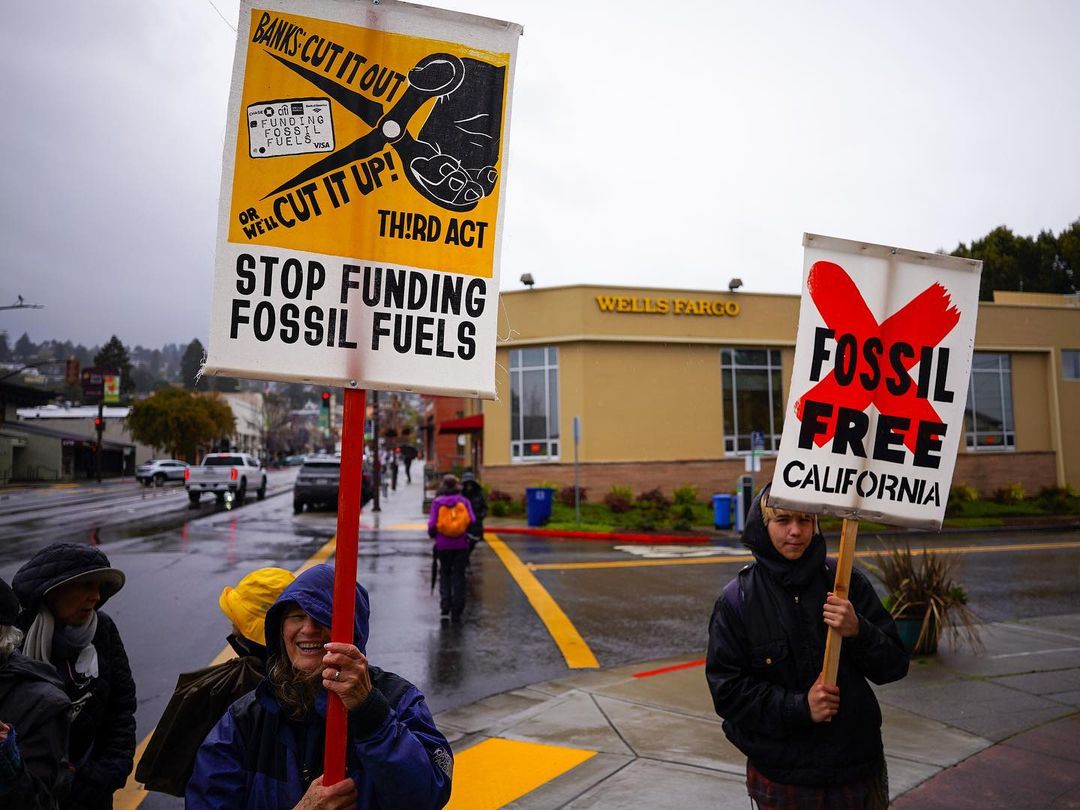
569	640
496	772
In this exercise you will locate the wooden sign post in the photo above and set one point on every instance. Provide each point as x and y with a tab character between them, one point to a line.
840	588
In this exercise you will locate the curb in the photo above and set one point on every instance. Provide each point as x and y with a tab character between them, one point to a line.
567	534
661	539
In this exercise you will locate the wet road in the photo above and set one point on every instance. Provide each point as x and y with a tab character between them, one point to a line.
628	603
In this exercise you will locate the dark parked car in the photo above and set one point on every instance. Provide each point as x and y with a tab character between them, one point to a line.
318	480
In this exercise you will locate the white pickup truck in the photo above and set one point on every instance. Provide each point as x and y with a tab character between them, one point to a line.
221	473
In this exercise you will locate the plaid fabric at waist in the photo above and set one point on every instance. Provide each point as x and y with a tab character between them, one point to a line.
871	793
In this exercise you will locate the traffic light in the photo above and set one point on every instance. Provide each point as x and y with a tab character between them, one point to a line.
324	415
99	423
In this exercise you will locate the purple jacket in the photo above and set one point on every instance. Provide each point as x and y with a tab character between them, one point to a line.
442	542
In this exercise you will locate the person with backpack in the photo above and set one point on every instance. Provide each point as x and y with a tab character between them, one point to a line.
807	744
448	525
266	752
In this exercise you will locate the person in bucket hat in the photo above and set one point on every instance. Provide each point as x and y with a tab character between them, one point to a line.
246	605
62	589
202	697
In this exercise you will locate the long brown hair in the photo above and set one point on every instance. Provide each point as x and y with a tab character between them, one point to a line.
295	690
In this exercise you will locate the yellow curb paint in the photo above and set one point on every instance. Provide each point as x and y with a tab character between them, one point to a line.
496	772
749	558
132	794
570	643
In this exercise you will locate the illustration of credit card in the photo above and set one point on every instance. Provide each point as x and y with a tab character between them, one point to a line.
296	126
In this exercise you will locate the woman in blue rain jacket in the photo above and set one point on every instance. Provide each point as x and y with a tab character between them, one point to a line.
267	751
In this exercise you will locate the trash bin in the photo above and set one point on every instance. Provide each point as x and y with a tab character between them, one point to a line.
538	505
721	505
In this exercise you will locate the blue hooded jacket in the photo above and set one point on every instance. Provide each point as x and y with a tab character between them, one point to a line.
258	758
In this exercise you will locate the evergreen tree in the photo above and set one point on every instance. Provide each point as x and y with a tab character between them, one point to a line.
113	355
25	349
191	363
1044	264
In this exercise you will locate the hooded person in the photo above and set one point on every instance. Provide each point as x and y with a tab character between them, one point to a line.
448	525
805	741
202	697
266	753
62	589
34	722
470	488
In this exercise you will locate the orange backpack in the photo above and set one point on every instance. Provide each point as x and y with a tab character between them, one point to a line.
452	521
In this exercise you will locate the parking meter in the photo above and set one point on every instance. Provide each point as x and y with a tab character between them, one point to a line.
744	497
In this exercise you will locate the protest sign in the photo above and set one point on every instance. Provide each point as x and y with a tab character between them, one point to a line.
361	202
880	381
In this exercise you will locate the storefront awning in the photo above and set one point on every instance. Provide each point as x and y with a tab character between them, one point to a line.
467	424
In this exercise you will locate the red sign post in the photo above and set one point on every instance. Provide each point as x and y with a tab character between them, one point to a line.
348	541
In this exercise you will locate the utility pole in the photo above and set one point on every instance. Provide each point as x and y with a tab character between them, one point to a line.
375	507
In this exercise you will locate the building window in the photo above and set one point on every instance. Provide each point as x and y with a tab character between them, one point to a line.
534	404
990	408
753	400
1070	364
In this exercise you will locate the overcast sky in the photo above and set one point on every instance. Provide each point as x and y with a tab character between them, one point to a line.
674	144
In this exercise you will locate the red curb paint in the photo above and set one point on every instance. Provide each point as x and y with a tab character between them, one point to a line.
655	539
687	665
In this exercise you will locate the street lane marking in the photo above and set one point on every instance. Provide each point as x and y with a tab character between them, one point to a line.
722	560
569	640
132	794
664	670
496	772
1035	652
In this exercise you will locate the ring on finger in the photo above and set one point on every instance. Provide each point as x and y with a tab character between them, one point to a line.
337	675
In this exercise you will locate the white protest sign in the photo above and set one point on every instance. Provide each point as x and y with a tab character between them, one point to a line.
879	385
362	197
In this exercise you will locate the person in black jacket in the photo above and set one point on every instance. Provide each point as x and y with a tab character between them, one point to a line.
471	489
804	741
33	722
61	590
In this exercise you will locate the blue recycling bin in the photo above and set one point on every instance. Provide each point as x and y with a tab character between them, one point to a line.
538	504
721	505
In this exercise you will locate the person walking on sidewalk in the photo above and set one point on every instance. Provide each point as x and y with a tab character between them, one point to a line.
807	744
448	525
470	488
62	590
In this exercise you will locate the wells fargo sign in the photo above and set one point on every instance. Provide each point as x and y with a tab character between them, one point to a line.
664	306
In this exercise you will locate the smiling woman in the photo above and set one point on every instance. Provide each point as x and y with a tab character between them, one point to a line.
267	751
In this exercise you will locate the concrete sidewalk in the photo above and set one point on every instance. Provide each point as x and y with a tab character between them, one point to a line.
993	729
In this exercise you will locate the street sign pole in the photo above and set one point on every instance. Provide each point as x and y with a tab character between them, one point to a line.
100	429
577	489
348	539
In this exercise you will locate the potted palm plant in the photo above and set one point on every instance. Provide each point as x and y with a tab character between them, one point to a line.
925	599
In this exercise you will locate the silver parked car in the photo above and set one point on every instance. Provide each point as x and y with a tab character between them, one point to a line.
159	470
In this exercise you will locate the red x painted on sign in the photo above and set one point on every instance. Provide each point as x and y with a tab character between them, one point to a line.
923	322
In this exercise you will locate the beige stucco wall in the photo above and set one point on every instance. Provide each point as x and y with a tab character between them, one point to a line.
1031	391
647	384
